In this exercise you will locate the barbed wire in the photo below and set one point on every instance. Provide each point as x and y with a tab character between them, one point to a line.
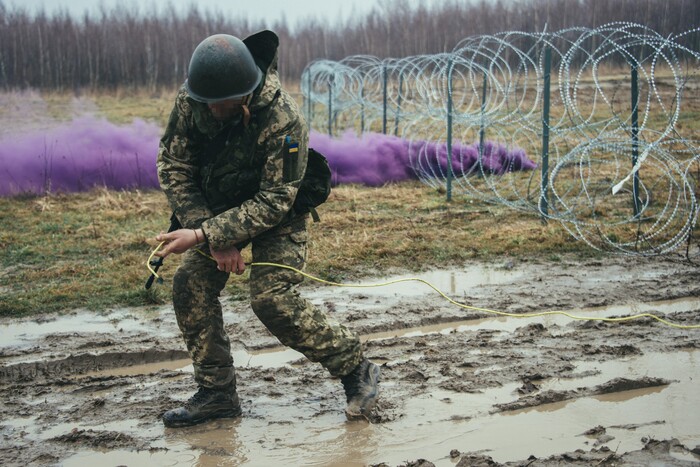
621	175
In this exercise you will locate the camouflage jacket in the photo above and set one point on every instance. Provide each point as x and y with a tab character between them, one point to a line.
230	179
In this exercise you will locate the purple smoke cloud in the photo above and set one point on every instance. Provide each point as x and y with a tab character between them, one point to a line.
90	152
80	155
371	159
375	159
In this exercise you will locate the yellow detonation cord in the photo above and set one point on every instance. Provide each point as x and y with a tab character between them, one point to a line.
442	294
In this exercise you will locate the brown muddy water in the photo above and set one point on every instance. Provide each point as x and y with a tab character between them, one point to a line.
89	389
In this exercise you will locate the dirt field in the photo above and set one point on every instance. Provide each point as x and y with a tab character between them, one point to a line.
459	387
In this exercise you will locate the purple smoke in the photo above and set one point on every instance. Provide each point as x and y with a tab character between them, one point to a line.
375	159
371	159
89	152
80	155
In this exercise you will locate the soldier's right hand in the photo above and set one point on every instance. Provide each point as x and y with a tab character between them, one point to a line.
177	241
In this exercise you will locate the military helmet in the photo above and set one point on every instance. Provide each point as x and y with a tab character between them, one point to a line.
221	68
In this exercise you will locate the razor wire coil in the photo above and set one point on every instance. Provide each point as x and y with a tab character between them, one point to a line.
600	141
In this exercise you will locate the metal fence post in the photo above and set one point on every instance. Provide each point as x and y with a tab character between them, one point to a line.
482	129
544	194
309	115
635	140
449	130
386	79
398	106
362	107
331	79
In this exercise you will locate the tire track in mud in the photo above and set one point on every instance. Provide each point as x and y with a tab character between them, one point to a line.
84	363
610	387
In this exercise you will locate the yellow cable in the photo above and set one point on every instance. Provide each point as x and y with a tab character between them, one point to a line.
150	258
461	305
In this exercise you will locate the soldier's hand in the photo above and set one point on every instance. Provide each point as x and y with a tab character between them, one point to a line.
178	241
228	260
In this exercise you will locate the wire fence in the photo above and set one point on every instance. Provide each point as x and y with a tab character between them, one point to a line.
610	116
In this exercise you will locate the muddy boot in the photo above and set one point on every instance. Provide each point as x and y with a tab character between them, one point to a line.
206	404
361	389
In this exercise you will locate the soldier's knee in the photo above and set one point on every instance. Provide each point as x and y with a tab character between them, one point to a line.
262	305
274	310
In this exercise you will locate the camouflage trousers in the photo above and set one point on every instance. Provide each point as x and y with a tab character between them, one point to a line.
296	322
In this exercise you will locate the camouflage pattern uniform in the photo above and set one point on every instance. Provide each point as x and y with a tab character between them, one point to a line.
230	180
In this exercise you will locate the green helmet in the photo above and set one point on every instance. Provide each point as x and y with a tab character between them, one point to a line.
221	68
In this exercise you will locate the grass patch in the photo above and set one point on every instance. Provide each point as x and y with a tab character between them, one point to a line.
88	250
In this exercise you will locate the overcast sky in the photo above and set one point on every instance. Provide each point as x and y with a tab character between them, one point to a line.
293	10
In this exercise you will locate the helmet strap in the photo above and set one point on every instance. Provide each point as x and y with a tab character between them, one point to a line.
246	110
246	115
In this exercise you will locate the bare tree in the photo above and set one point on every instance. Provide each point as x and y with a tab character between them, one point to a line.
122	47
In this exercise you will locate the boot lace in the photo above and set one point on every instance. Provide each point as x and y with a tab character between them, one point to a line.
200	396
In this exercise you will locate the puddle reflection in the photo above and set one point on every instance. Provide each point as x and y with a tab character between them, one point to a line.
277	432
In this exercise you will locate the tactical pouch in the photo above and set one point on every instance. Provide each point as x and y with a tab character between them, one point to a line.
315	185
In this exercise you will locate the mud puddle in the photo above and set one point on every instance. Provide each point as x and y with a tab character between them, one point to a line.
27	332
123	321
433	425
452	282
268	358
90	389
380	292
511	323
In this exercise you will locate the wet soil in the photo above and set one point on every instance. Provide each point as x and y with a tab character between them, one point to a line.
460	386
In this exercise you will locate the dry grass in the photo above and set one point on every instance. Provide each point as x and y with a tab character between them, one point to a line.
89	250
124	106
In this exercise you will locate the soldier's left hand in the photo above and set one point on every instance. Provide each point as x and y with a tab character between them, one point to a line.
228	260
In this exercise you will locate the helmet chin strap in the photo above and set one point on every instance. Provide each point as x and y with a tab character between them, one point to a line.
246	110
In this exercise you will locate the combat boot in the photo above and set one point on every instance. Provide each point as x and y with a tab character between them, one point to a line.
206	404
361	388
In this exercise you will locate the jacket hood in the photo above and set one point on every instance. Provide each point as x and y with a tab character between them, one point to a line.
263	46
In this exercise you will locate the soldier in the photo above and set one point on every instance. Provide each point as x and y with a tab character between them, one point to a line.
230	163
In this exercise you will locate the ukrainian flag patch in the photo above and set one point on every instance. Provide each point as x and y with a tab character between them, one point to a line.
291	161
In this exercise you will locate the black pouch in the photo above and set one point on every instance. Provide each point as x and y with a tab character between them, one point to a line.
315	185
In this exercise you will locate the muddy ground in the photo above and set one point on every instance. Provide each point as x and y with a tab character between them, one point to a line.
459	386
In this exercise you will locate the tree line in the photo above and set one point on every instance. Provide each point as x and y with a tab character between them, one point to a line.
120	47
